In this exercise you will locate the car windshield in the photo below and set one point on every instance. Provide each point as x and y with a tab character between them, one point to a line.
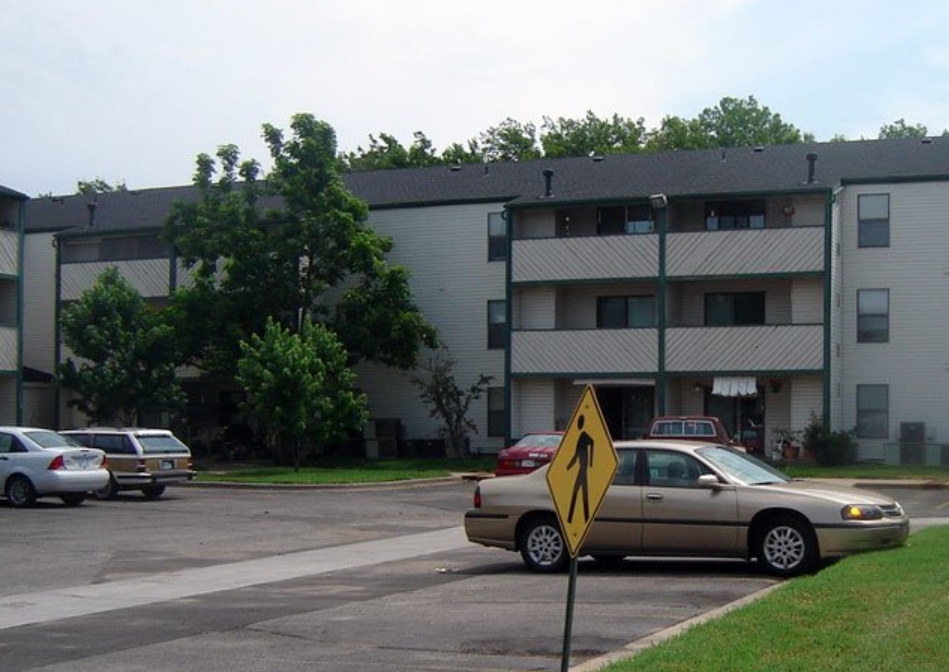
48	439
540	440
741	467
160	444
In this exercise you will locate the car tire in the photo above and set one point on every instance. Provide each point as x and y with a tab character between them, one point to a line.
108	491
787	546
20	492
542	545
73	498
153	491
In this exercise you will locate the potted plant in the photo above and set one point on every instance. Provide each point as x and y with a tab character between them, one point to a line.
787	442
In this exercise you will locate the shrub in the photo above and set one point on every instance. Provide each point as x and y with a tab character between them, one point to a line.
829	448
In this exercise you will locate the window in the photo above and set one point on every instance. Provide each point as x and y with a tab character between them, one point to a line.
497	325
624	312
731	215
118	248
873	315
873	411
873	220
673	470
497	237
496	424
735	309
624	219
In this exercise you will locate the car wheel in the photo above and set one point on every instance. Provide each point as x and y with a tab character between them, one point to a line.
787	546
108	491
73	498
20	492
542	545
153	491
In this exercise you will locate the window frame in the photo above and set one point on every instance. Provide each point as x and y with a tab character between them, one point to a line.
865	334
872	231
736	215
627	219
878	415
497	329
497	241
734	308
497	412
627	321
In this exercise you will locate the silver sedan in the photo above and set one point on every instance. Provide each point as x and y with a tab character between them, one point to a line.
39	463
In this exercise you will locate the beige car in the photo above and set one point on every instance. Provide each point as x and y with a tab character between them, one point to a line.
673	498
139	459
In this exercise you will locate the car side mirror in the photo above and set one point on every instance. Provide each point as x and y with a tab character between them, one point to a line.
709	481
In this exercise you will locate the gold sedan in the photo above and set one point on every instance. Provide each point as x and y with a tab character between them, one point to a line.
673	498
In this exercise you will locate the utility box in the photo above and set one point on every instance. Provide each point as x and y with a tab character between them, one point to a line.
912	442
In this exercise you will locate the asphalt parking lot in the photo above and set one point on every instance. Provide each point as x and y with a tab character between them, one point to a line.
378	579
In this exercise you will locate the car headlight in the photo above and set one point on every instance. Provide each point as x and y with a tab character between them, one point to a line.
861	512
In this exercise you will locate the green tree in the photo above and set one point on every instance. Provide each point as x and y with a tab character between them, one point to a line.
282	248
99	186
900	129
734	122
300	387
591	135
126	357
447	401
509	141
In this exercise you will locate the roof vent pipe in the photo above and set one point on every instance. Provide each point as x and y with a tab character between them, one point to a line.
548	183
92	205
811	171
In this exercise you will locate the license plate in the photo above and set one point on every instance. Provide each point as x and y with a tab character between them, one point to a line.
528	463
167	464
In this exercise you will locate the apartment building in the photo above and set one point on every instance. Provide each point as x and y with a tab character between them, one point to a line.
761	285
11	376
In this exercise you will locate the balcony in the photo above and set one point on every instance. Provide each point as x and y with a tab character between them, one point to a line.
584	258
584	351
745	349
782	251
8	349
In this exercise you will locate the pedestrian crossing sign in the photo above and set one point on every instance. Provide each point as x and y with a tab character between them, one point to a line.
582	470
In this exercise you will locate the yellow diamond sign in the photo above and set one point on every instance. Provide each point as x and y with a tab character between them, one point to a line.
582	470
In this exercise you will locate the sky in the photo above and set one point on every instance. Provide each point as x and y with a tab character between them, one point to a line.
131	91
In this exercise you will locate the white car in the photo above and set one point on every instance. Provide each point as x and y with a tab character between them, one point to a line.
42	463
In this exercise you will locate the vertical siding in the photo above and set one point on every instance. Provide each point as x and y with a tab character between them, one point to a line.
806	398
39	300
535	308
915	268
446	251
534	406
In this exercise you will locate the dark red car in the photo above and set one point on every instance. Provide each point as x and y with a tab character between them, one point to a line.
532	451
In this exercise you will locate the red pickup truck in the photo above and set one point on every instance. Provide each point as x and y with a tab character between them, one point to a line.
689	428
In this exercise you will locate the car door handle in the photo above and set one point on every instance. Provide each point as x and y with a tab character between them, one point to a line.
653	495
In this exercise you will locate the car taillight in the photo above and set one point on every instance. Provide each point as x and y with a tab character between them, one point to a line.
141	467
477	497
508	464
105	462
57	463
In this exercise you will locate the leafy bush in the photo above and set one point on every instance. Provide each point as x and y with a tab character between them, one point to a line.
829	448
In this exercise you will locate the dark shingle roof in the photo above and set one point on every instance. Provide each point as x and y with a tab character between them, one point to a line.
742	170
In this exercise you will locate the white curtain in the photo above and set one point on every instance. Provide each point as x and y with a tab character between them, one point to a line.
735	386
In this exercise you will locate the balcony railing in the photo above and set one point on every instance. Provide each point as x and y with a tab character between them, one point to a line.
752	348
584	351
585	258
8	349
749	252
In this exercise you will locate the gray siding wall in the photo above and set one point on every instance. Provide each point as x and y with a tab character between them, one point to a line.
915	269
534	406
39	301
446	251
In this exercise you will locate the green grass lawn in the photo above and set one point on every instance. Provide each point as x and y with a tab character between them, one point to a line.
345	471
885	611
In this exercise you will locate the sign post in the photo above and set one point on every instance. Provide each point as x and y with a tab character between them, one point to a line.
578	478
